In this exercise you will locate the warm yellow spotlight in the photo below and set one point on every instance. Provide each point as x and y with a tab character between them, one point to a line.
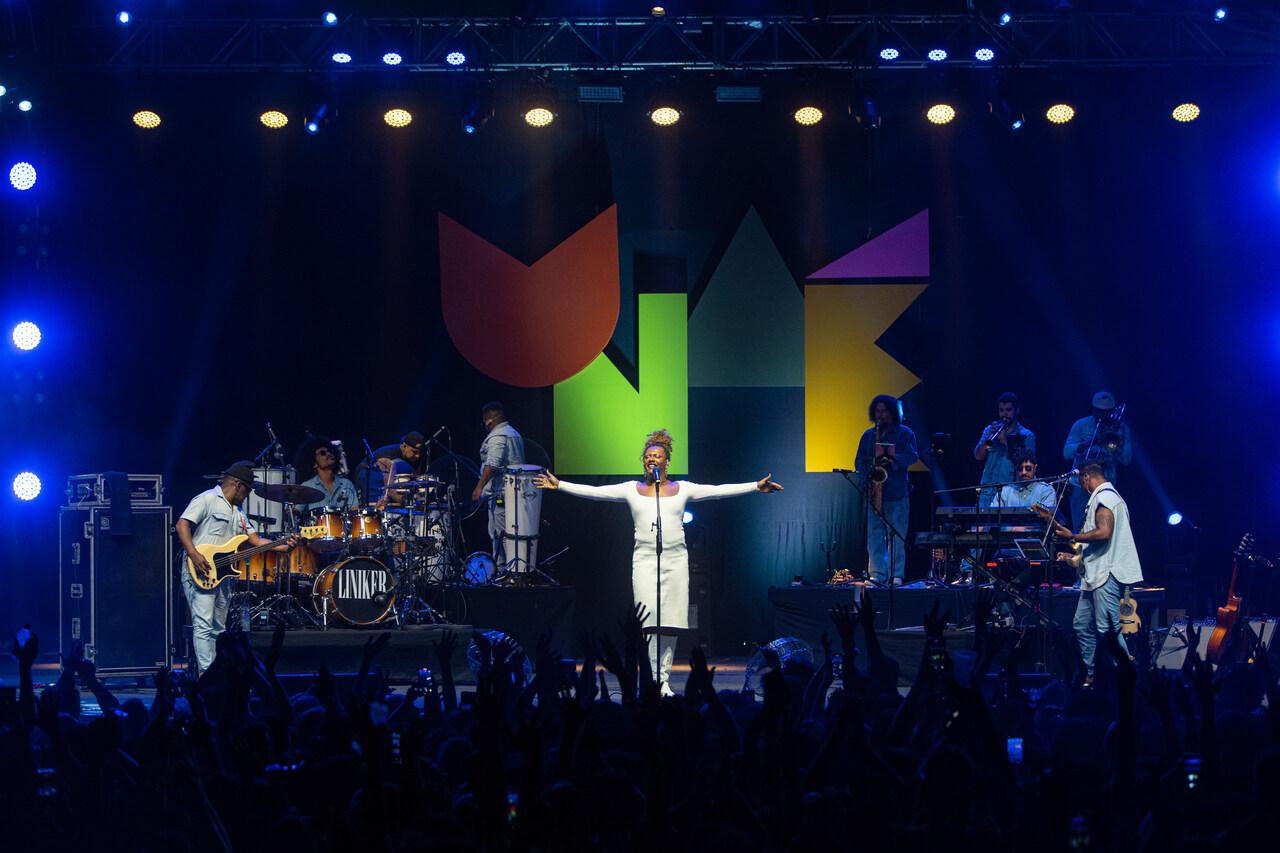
665	116
808	115
398	117
1060	113
274	119
539	117
146	119
941	113
1186	112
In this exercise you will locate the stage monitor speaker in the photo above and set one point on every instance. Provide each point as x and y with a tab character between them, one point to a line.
115	592
1173	648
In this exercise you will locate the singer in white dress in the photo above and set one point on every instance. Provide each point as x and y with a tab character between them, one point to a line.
640	498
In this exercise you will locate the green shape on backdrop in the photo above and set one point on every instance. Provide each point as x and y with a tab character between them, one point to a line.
601	421
748	328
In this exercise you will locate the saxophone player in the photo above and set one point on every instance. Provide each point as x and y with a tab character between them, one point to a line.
885	451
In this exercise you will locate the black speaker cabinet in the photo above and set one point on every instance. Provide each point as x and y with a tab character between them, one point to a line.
115	592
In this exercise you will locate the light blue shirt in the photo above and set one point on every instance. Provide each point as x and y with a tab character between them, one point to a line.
999	467
1078	442
1026	495
214	519
344	494
1118	556
503	446
905	455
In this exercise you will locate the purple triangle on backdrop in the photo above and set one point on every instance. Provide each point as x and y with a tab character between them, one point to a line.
900	252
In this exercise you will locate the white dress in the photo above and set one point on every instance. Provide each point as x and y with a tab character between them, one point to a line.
675	556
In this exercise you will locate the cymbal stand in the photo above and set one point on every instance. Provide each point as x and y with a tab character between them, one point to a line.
411	607
282	606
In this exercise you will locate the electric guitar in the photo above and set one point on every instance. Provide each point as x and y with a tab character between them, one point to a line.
1076	560
227	559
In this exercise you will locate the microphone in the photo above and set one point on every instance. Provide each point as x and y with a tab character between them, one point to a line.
657	476
436	434
367	448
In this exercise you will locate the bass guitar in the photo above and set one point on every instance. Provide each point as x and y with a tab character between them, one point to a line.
1230	612
226	560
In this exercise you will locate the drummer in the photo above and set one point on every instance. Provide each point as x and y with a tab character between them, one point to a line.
408	458
503	446
338	491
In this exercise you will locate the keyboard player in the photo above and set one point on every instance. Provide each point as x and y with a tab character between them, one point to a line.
1027	490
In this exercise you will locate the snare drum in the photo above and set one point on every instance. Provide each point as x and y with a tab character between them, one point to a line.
366	531
334	522
359	591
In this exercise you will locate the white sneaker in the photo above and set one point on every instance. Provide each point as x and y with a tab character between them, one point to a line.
664	689
897	581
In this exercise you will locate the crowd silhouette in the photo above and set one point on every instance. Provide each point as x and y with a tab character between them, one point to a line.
831	757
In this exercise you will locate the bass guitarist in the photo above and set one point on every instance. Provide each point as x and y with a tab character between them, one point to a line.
212	518
1108	563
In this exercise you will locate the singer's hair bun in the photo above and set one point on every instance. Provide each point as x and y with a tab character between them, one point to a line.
658	438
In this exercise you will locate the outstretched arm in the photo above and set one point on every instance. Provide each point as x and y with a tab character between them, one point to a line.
700	492
615	492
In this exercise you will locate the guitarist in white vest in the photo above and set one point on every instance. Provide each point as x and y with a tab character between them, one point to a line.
212	518
1107	564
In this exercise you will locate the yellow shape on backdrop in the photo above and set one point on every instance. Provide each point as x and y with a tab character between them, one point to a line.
844	368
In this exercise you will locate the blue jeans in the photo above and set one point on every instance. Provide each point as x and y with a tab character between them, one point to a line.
877	551
208	617
1096	613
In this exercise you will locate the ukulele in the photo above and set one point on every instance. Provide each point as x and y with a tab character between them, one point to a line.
1130	622
1230	613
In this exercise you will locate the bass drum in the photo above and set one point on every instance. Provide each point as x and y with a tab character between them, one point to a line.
478	569
359	591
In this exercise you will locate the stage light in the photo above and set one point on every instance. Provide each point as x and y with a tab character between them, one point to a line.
26	336
24	106
1175	518
664	116
330	19
1220	13
539	117
26	486
455	58
937	54
392	58
1016	124
657	11
687	518
146	119
808	116
313	127
889	54
22	175
123	18
1060	113
274	119
4	90
941	113
1186	112
984	54
341	58
397	117
1005	19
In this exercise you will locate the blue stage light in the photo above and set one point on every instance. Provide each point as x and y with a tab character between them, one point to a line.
468	127
687	517
25	106
123	18
1005	19
984	54
341	58
937	54
22	175
4	90
889	54
330	19
313	127
455	57
26	486
1017	124
392	58
26	335
1220	13
1175	518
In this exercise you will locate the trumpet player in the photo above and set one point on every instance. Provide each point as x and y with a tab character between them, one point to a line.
999	441
1101	437
885	452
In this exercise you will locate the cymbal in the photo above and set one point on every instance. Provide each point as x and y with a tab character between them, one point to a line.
287	493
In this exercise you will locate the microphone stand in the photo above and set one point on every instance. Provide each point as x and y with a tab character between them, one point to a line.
657	529
890	532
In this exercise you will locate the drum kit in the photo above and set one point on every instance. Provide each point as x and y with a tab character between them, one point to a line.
366	565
